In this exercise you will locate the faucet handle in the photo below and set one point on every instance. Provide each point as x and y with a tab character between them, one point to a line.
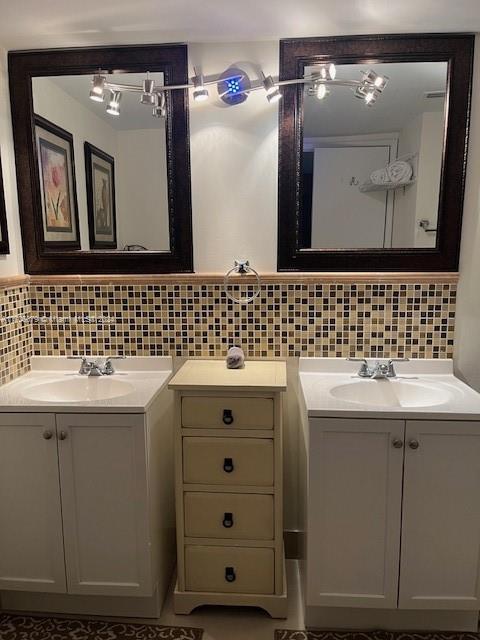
391	369
364	369
357	360
86	365
108	367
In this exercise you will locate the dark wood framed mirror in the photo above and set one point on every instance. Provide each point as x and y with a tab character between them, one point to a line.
4	244
140	200
375	184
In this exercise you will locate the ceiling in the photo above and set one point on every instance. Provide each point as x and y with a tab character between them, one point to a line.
340	113
56	23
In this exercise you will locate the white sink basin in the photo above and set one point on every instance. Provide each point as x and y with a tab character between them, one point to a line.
83	389
391	393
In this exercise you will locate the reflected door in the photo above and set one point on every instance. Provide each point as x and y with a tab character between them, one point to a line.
342	216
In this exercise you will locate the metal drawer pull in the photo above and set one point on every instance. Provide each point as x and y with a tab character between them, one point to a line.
413	444
227	520
228	465
48	435
230	574
227	416
62	435
397	443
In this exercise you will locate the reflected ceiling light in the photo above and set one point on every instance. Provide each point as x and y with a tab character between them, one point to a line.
148	97
160	109
321	91
200	93
370	97
98	88
114	104
370	77
328	71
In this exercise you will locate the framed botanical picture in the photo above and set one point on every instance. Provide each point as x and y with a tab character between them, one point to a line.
56	170
100	179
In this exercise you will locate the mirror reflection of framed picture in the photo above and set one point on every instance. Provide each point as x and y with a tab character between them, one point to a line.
100	180
56	170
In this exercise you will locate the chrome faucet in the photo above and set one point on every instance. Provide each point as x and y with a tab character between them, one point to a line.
380	370
94	368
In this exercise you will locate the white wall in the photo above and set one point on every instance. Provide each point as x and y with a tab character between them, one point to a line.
57	106
234	155
467	337
11	264
141	186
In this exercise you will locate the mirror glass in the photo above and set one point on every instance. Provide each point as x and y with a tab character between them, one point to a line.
103	177
372	172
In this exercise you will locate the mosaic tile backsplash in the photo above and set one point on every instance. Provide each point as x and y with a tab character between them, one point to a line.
15	332
286	320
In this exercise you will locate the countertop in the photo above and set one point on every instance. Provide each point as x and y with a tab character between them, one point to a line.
147	375
208	375
318	376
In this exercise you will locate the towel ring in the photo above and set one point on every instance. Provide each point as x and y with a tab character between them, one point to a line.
241	267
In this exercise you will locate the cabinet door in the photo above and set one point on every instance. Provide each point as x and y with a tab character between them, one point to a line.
31	541
354	508
441	516
104	500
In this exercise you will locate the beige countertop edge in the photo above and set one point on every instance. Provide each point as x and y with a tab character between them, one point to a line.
267	278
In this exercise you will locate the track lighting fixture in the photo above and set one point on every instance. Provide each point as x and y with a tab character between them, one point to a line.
273	93
160	109
379	82
114	104
322	91
328	71
98	88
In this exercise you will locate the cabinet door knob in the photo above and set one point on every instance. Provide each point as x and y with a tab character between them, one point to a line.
228	465
62	435
227	416
47	434
397	443
230	574
413	444
227	520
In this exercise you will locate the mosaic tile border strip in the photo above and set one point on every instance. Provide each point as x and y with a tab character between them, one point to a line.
287	320
15	332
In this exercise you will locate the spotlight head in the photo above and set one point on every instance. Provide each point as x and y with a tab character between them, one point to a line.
98	88
148	96
114	104
274	96
159	110
321	91
200	93
370	98
328	71
375	80
269	85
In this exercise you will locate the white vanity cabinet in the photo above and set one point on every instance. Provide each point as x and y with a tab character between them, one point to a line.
87	508
392	514
31	538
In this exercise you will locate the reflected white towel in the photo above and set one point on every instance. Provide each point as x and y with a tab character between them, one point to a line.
380	176
399	171
235	358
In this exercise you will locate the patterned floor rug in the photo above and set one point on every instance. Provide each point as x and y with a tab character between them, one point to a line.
14	627
372	635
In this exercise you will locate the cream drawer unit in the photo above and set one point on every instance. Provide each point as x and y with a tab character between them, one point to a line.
228	461
229	485
227	412
229	515
229	569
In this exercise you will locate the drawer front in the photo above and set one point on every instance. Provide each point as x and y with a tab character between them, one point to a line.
229	515
229	569
228	461
227	413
